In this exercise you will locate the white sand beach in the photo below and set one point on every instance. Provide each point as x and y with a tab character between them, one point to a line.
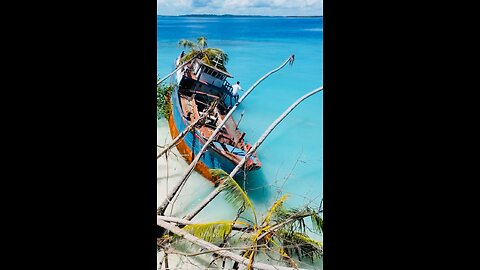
168	173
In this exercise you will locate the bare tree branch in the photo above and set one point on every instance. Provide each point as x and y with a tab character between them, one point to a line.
209	246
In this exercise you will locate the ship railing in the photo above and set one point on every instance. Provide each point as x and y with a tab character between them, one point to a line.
227	96
228	86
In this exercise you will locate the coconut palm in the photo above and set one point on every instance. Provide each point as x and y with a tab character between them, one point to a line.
201	51
281	230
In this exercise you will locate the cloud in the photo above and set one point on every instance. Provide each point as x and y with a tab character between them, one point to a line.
257	7
201	3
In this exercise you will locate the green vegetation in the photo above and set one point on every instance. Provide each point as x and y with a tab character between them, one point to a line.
282	230
234	194
281	234
163	100
208	55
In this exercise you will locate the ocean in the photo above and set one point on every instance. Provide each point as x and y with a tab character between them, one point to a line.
292	155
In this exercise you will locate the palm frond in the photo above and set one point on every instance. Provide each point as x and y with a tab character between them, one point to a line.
219	175
306	239
206	59
211	232
191	54
214	53
234	194
276	206
200	51
202	42
301	245
317	222
285	255
282	214
186	44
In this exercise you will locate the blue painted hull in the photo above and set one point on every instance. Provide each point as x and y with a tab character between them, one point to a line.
210	158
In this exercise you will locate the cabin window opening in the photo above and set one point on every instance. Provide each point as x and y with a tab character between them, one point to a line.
202	102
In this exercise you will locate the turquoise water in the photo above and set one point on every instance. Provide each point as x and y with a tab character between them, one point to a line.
292	155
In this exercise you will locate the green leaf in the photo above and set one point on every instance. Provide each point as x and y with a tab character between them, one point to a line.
211	232
276	207
301	245
317	222
234	194
200	51
163	100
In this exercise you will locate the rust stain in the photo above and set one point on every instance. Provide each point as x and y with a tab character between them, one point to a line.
186	152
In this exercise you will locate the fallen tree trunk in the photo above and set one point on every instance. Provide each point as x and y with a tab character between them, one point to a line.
224	253
188	172
188	222
216	191
170	74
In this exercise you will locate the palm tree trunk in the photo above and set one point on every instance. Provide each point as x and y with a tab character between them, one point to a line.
188	172
188	222
216	191
170	74
209	246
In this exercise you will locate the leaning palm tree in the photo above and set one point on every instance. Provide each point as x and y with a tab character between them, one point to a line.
211	56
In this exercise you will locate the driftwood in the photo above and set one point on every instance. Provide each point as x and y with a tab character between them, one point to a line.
217	250
216	191
188	172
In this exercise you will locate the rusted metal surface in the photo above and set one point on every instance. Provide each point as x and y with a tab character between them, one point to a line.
187	153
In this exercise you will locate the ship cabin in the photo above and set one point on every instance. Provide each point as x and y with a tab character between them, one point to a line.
202	79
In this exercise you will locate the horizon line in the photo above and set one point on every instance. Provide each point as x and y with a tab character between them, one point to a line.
248	15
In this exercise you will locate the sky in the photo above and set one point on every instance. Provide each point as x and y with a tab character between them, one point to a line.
241	7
